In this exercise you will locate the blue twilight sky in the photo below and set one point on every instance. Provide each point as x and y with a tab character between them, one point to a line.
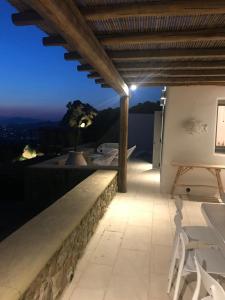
36	81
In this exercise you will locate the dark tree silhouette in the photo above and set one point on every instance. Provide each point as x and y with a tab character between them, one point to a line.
78	116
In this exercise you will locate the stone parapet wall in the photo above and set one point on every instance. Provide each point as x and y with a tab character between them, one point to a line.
38	261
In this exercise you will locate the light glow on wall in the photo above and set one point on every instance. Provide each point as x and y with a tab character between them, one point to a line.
220	132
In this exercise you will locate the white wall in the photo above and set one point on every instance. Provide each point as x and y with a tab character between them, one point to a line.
199	102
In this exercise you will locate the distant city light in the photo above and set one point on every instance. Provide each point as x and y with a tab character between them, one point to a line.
133	87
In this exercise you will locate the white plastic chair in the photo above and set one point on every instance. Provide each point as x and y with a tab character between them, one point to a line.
213	288
105	160
203	233
107	147
184	252
203	236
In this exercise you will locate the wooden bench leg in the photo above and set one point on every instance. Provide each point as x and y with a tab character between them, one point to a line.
219	182
179	171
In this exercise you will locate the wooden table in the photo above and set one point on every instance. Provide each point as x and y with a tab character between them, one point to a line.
183	168
214	215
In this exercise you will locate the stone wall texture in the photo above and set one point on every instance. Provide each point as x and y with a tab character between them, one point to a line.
59	270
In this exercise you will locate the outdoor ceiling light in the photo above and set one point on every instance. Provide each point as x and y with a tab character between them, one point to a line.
133	87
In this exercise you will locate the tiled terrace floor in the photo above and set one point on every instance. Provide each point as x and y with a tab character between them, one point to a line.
128	256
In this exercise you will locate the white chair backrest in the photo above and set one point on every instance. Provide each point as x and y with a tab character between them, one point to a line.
184	240
106	159
179	206
106	147
178	222
214	289
182	248
130	151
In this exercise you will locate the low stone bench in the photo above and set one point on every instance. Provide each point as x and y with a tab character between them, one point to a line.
38	260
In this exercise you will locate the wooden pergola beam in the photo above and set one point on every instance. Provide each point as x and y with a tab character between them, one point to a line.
95	75
85	68
54	40
174	73
25	18
70	56
66	19
168	83
137	55
178	79
213	34
181	83
159	65
166	73
161	8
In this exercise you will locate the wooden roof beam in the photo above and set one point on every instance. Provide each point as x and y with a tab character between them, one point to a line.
177	79
180	83
161	8
174	79
159	65
66	19
54	40
170	73
213	34
94	75
28	17
166	73
72	56
135	55
169	83
85	68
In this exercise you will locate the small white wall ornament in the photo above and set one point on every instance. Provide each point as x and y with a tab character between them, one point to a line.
194	126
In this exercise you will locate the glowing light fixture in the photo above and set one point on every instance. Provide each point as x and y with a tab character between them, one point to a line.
133	87
82	125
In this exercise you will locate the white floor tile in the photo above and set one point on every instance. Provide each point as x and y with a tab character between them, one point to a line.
87	294
95	277
160	259
137	238
107	249
127	287
132	262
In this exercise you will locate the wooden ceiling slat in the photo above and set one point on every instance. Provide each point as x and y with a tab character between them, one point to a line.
160	8
66	19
